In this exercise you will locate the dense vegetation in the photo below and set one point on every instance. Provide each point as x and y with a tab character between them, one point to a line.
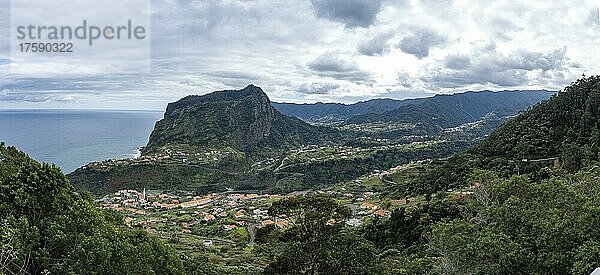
568	123
564	130
506	226
321	174
45	227
534	216
197	178
318	242
300	174
526	200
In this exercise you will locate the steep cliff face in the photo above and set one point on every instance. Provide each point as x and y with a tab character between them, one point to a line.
241	119
261	118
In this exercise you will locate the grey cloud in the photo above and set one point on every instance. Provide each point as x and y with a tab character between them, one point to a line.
378	45
330	64
201	17
594	17
457	79
527	60
405	80
457	62
488	66
91	84
8	95
317	88
502	23
419	42
503	28
405	93
575	65
235	75
237	78
351	13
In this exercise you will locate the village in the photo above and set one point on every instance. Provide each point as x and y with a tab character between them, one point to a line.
186	155
220	217
181	155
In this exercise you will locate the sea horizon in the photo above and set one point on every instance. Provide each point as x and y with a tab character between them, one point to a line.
71	138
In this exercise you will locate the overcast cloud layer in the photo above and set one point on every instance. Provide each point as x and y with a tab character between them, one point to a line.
329	50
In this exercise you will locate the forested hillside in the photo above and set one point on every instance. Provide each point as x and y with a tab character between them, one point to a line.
46	227
563	131
443	111
523	201
499	226
569	121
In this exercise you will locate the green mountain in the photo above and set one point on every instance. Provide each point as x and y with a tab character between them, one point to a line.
433	114
226	139
241	119
338	112
563	131
525	200
570	118
457	108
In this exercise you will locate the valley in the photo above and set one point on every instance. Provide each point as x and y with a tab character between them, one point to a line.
405	194
314	137
237	140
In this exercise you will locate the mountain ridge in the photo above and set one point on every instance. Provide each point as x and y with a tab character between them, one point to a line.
236	139
243	119
370	109
563	131
571	116
433	115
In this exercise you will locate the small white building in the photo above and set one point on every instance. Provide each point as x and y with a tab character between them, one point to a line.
354	222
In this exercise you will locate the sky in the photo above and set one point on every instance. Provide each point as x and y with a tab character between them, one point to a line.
317	51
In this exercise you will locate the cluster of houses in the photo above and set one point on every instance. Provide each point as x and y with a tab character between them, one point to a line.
166	156
320	153
228	211
144	209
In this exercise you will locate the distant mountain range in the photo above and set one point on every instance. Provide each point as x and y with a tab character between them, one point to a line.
439	111
563	131
336	112
444	111
247	121
239	139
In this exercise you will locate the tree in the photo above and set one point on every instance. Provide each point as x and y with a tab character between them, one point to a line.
317	243
571	157
45	226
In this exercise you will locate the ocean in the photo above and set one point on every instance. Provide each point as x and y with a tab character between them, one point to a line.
73	138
